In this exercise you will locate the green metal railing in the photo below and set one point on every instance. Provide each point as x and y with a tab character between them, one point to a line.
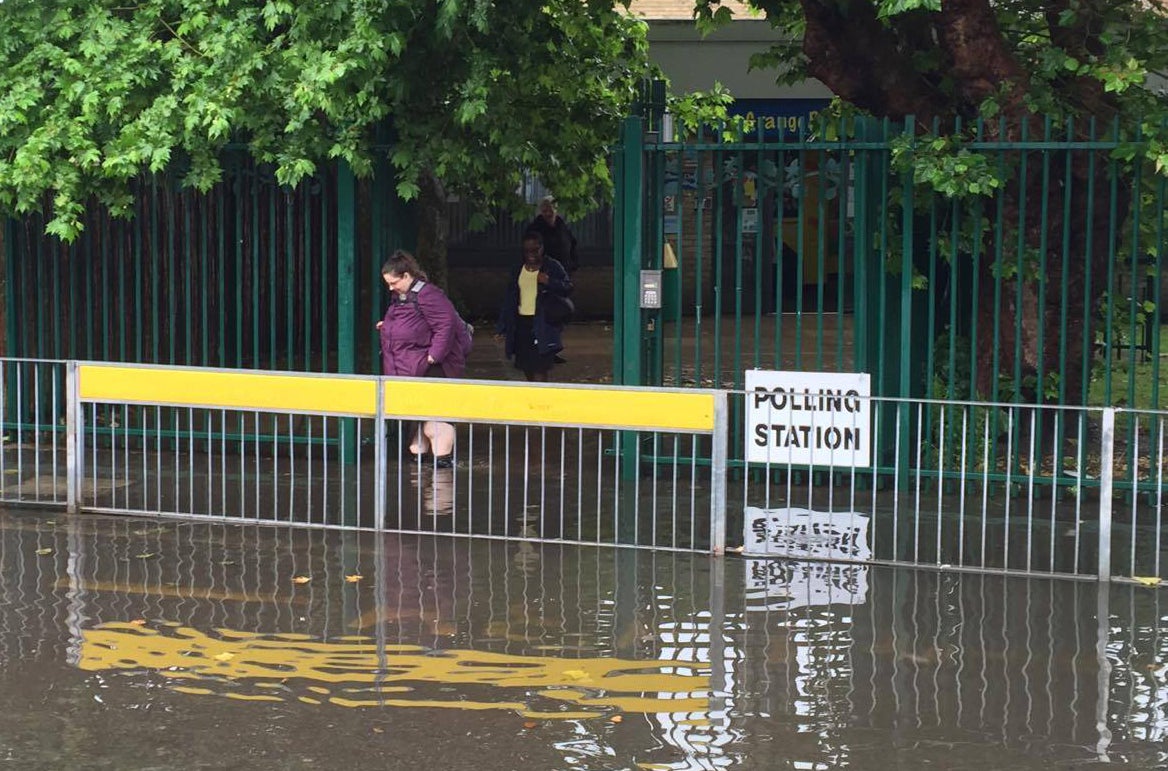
815	254
251	274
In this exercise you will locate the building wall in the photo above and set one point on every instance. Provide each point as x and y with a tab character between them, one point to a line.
694	63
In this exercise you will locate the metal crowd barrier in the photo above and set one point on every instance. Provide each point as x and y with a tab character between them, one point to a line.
956	485
32	463
548	462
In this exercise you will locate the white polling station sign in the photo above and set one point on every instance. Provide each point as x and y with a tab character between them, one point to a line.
809	418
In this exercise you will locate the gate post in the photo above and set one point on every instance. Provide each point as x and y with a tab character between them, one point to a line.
346	293
904	420
346	259
9	346
628	230
1106	489
719	460
379	459
72	439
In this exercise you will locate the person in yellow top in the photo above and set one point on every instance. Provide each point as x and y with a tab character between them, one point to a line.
535	306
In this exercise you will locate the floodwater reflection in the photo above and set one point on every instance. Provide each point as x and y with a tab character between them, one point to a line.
361	672
171	644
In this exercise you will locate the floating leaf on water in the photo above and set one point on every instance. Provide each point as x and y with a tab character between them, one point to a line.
377	730
138	622
353	578
225	656
615	719
530	724
227	562
43	552
301	579
576	674
1144	580
145	555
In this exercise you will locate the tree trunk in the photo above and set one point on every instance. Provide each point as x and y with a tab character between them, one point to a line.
1037	330
875	65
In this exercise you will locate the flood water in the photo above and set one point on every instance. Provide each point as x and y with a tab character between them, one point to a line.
132	643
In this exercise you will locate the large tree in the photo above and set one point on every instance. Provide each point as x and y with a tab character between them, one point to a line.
1011	64
469	94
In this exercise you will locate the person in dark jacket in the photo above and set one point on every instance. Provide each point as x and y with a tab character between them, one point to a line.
558	241
524	320
422	335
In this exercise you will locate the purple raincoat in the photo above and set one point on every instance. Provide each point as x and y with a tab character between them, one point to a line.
423	323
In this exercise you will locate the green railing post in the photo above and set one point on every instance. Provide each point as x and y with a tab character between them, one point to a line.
11	286
875	314
627	333
864	258
12	345
346	292
653	335
904	381
629	227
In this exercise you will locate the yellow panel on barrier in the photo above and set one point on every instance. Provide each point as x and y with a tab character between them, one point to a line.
231	390
558	405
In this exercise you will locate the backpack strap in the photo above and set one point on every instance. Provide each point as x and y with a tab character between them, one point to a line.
412	297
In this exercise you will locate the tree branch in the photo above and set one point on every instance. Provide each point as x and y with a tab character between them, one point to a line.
1081	40
981	59
859	59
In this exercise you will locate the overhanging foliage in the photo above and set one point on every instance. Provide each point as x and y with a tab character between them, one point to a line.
95	92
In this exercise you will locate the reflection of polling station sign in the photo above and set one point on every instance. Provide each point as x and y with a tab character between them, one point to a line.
808	418
775	585
803	533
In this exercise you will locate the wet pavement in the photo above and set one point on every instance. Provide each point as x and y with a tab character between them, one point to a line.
132	643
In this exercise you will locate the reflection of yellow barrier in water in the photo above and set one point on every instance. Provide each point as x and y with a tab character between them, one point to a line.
354	672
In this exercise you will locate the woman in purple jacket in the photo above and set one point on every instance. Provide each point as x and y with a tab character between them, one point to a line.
422	335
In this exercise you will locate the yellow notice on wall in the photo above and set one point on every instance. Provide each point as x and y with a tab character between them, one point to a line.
668	258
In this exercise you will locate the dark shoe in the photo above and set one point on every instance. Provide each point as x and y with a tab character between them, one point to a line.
558	359
444	461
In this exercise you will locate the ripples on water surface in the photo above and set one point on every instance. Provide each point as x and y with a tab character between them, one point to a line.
139	644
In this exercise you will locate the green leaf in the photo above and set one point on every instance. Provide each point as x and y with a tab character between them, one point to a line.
890	8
